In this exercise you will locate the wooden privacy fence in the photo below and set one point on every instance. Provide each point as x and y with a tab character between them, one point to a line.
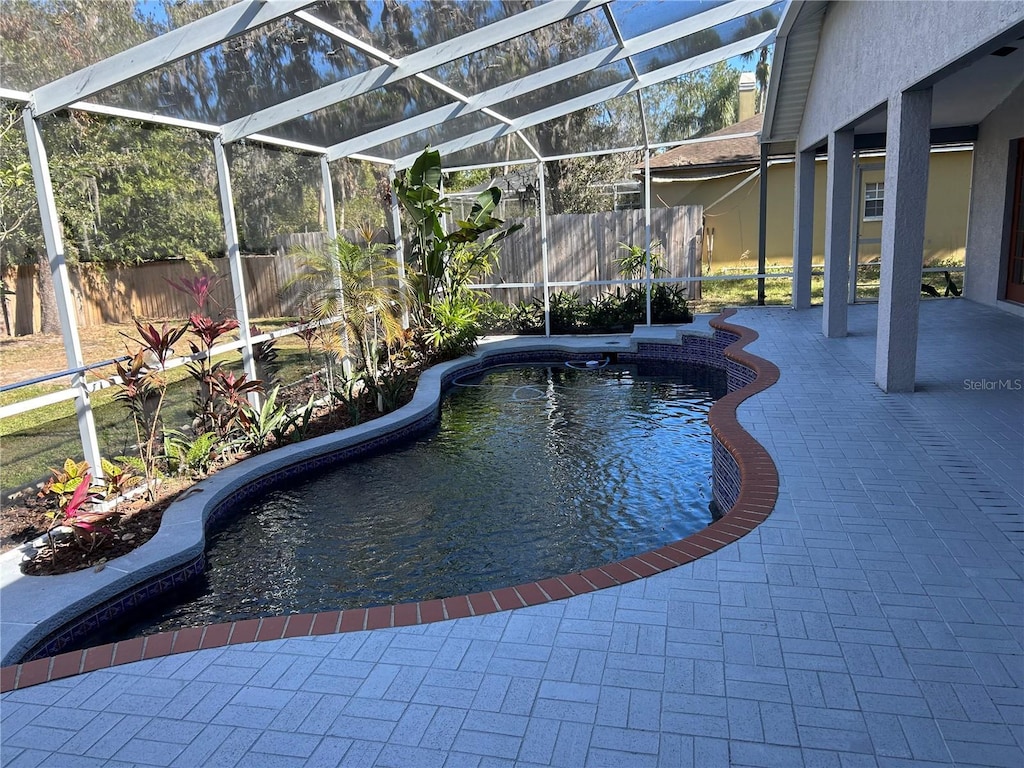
118	294
580	247
585	246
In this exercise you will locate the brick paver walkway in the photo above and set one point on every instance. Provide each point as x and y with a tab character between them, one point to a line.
875	619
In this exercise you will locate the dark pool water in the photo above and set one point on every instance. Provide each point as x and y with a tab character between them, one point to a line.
532	472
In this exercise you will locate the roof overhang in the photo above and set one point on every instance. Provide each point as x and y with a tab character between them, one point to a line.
964	91
796	53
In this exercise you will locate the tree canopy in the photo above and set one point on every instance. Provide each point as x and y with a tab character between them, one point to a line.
128	193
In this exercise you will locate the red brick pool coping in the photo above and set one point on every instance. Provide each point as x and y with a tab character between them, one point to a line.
759	486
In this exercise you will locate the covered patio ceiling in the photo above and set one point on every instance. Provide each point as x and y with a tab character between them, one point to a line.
481	81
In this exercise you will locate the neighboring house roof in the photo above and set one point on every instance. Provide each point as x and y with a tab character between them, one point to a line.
742	150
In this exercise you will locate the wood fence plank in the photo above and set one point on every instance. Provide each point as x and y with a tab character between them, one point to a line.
580	247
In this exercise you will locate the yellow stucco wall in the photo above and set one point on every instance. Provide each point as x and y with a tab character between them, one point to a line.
735	218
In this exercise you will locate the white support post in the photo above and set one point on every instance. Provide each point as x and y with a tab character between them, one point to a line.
62	287
542	193
235	262
837	232
647	228
762	225
858	192
396	227
903	218
803	229
330	218
328	186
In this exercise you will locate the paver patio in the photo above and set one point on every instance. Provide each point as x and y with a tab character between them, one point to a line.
875	619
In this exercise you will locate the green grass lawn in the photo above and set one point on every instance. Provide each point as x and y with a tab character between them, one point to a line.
719	294
31	443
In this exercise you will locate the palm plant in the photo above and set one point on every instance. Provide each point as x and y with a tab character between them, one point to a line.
632	264
360	285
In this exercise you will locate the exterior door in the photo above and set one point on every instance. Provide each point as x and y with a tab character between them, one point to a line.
1015	260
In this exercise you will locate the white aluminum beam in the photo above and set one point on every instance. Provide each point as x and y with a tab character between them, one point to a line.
596	152
600	95
388	60
547	77
647	230
459	97
54	240
235	262
396	231
329	209
702	140
543	213
398	69
23	97
614	24
12	95
210	30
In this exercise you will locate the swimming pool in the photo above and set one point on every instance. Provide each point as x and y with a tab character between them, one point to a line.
59	612
532	472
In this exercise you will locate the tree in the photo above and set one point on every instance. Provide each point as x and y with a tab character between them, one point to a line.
275	191
761	72
20	233
358	282
15	175
752	25
694	104
570	183
42	41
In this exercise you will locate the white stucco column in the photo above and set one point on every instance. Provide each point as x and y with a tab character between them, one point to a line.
839	198
803	229
906	193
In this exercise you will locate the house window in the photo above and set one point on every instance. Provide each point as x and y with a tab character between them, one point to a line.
874	200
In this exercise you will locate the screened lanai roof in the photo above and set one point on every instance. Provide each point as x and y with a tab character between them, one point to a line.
484	81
